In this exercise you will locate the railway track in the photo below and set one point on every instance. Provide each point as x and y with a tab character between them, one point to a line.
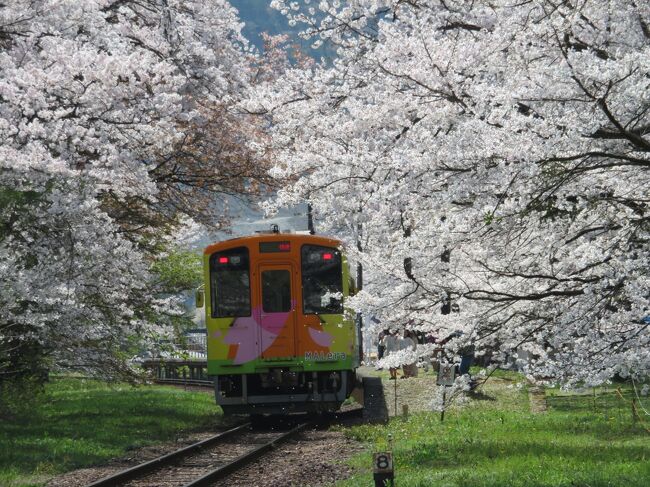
210	460
205	462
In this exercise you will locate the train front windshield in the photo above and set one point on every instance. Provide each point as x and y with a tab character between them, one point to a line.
322	282
230	283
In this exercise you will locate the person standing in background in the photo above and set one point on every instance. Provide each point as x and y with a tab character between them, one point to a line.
381	347
410	342
391	343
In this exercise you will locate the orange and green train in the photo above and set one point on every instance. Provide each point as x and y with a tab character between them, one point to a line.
279	336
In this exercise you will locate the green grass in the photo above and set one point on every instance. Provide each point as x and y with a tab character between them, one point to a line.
79	423
494	441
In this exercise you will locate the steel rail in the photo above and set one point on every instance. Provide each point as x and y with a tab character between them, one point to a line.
242	460
146	467
185	382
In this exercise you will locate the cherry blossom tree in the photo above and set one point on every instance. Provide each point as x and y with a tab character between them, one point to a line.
490	159
115	127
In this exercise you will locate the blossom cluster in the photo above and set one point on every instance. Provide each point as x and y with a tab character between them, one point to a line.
94	96
487	163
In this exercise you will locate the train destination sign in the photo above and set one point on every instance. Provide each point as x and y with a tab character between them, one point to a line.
269	247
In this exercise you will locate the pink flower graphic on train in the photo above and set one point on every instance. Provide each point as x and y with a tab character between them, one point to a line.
245	331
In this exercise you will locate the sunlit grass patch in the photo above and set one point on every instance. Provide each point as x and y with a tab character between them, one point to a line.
80	423
496	441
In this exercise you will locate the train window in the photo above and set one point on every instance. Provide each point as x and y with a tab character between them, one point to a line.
276	291
322	281
230	283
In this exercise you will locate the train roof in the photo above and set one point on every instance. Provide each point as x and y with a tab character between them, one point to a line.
299	239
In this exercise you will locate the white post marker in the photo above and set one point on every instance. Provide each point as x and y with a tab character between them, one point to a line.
446	374
446	378
383	472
